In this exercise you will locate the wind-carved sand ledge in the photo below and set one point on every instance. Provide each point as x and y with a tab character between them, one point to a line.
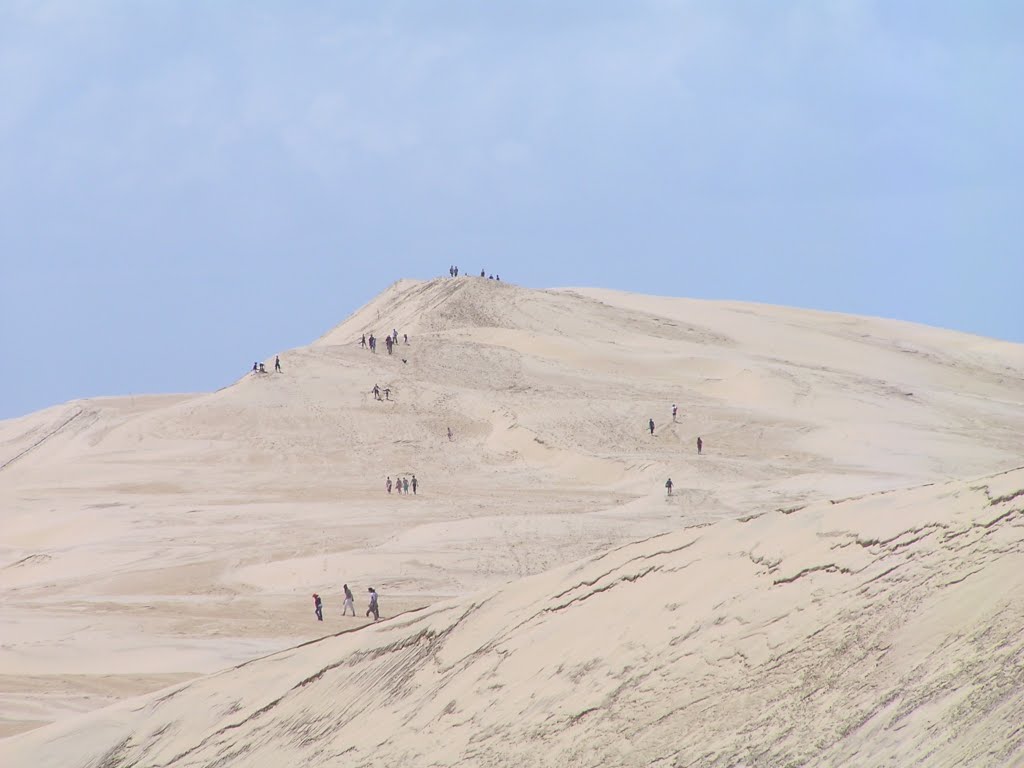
827	586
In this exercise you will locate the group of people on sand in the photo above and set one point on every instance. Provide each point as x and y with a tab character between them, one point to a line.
258	367
453	271
372	610
402	484
377	392
390	341
700	444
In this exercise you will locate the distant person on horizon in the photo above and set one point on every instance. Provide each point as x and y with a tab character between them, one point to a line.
490	277
451	271
482	273
650	425
456	271
674	411
700	446
497	278
405	485
388	484
374	608
318	607
277	363
255	367
262	369
349	601
668	487
414	484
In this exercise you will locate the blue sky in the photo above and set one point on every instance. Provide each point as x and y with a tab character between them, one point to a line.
188	186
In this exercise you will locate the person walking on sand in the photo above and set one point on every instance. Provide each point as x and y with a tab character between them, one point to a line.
362	342
700	446
450	435
255	367
388	485
398	485
349	601
374	608
387	393
405	485
277	363
668	487
376	392
650	425
318	607
414	484
674	411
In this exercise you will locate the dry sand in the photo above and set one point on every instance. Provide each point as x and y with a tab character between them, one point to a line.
153	539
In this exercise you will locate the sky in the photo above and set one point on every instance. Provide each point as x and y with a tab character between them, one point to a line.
187	186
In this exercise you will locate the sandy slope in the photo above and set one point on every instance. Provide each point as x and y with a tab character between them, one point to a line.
885	630
149	539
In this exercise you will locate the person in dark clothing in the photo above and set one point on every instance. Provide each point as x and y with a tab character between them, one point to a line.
405	485
387	393
674	411
405	338
700	446
362	342
650	425
277	363
456	271
482	273
376	392
262	368
255	367
318	606
415	483
374	608
668	487
450	435
451	271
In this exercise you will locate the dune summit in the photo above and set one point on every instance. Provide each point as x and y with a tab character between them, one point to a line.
827	583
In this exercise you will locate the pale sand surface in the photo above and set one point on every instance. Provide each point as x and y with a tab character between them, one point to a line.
884	630
150	539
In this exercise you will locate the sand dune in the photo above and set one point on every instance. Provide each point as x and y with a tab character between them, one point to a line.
152	539
884	630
